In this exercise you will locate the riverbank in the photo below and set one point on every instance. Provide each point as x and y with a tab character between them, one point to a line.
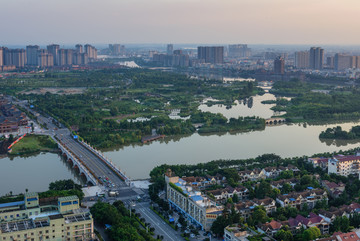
32	144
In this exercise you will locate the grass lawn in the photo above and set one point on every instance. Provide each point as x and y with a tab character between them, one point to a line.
33	143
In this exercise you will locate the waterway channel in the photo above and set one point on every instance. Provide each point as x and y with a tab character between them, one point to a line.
36	172
285	140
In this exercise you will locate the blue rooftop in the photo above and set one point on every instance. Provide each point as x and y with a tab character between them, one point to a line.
5	205
197	198
178	184
194	183
310	197
292	199
310	188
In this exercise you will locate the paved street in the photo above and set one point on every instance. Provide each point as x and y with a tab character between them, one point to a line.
161	228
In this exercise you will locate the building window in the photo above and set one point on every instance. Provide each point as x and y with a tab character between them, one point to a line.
47	231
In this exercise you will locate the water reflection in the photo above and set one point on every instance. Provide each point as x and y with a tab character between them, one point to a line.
246	107
286	140
34	172
339	143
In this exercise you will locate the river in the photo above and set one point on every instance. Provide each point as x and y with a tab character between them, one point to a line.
34	173
137	160
285	140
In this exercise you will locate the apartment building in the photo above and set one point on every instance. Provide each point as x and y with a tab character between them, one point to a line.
197	208
344	165
45	219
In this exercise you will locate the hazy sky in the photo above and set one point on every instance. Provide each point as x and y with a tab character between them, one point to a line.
180	21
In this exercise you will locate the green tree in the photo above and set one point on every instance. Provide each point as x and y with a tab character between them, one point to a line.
311	234
259	215
286	188
235	198
284	235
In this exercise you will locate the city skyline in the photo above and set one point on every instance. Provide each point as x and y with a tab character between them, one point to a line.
327	22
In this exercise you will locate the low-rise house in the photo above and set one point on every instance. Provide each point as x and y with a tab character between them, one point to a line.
334	189
222	195
235	233
329	216
268	203
279	184
321	162
293	225
245	208
217	179
271	172
298	199
314	221
270	228
252	175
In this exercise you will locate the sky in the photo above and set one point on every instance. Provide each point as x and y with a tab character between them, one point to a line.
330	22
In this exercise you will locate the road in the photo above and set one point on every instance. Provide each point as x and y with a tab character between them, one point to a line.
101	171
92	161
161	228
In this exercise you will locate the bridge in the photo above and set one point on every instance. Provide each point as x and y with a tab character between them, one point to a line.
90	162
274	121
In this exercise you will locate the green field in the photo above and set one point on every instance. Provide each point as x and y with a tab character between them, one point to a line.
33	143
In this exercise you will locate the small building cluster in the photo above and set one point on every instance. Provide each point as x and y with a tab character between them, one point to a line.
340	164
10	117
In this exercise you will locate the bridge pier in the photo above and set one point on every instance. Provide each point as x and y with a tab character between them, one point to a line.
76	163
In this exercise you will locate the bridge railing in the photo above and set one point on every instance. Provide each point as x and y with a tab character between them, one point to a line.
81	166
108	162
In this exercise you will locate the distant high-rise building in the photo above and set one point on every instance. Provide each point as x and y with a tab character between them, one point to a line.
169	49
330	62
279	65
357	62
239	51
316	60
343	61
302	59
79	48
53	49
16	57
32	55
69	56
44	59
61	57
91	52
1	57
7	57
117	49
65	57
213	55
